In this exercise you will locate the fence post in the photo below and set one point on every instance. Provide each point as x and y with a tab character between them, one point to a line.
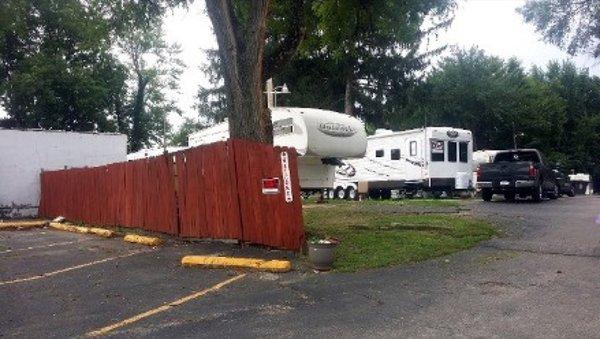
172	164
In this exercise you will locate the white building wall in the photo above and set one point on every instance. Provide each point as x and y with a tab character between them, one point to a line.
23	154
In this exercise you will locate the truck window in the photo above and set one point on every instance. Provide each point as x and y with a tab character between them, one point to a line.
437	150
515	156
464	151
413	148
395	154
379	153
452	151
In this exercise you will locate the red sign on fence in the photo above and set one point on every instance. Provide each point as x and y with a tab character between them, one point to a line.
211	191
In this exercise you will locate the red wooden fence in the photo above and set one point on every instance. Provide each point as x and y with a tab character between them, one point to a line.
212	191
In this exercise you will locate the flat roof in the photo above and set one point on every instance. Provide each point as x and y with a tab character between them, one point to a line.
56	131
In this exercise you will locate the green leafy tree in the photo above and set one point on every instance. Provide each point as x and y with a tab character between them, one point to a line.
62	66
56	69
492	97
570	24
155	69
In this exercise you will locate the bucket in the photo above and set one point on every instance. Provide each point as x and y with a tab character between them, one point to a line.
322	254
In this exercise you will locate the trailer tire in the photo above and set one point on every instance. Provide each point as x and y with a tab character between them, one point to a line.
351	193
340	193
331	194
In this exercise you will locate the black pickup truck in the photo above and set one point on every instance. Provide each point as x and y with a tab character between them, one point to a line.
522	172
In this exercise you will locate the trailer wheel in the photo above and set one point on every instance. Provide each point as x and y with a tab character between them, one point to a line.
331	194
340	193
351	193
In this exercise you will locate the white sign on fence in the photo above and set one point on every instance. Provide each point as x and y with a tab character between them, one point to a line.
287	180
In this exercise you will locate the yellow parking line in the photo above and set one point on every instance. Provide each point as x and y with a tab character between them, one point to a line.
45	275
44	246
166	307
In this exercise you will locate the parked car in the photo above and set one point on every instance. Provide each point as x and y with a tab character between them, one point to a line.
522	172
565	187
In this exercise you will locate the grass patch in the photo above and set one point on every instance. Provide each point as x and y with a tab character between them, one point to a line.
374	237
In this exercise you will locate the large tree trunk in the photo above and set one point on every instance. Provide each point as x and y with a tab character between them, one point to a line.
138	133
241	45
348	99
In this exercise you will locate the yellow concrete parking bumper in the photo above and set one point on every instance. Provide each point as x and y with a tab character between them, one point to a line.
22	224
82	229
140	239
101	232
231	262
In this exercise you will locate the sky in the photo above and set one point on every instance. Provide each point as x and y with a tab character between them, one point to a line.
492	25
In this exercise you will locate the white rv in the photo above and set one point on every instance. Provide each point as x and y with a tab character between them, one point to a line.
320	137
430	159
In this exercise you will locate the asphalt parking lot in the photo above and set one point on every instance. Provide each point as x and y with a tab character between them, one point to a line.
62	284
541	278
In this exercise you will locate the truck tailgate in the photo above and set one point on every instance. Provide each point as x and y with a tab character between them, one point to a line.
504	171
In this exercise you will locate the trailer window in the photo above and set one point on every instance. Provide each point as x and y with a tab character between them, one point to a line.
452	155
437	150
379	153
395	154
464	152
413	148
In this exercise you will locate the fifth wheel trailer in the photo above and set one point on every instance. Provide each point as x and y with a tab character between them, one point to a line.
320	137
427	160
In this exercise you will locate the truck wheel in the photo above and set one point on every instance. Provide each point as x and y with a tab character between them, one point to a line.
538	193
571	192
509	196
486	195
340	193
351	193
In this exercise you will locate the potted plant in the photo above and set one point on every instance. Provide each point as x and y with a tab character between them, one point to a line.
321	253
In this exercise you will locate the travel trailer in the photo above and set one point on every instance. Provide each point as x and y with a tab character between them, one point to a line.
430	160
320	137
